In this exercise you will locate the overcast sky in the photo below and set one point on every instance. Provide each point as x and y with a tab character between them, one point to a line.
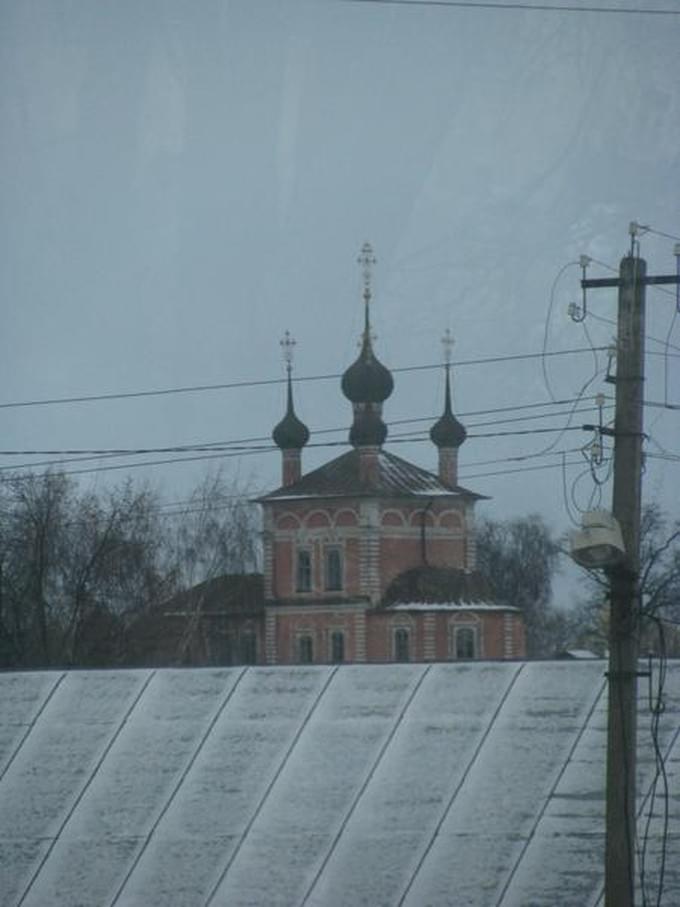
182	182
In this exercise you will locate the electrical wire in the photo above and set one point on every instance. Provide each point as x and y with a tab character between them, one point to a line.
661	233
548	316
524	7
647	337
656	706
219	445
83	455
565	496
263	382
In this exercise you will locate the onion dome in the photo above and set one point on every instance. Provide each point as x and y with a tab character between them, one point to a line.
447	431
290	433
368	429
367	380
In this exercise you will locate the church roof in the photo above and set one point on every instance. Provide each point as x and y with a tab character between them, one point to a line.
442	585
393	477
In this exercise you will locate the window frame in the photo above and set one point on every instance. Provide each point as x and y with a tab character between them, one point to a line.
303	570
401	636
337	636
465	633
334	569
304	645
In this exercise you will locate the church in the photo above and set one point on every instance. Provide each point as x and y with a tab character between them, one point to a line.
367	559
370	558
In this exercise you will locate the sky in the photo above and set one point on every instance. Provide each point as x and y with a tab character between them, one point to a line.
183	182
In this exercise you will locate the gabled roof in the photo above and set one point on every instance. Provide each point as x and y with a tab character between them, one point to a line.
394	478
408	784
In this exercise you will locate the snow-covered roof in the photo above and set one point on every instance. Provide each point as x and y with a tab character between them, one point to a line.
393	477
475	784
580	653
449	606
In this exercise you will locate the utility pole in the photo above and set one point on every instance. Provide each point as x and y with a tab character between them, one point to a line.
623	578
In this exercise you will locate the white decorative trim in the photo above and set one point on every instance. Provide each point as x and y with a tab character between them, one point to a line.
270	641
429	637
459	517
458	623
318	607
471	540
318	512
508	635
360	636
344	510
392	512
322	533
403	622
288	514
369	551
415	532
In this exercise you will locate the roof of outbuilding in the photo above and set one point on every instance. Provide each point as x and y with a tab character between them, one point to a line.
439	585
159	635
393	477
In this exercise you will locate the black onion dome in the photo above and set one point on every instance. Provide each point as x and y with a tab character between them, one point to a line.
368	429
447	431
290	433
367	380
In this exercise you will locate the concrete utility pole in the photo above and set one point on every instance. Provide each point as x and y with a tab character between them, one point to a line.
623	579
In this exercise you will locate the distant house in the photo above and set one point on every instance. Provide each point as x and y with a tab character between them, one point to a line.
368	558
217	622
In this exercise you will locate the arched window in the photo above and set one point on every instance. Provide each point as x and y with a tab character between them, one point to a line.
305	646
337	646
401	644
333	569
465	641
303	574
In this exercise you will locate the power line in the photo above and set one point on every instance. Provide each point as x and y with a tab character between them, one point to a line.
527	7
263	382
661	233
228	453
83	454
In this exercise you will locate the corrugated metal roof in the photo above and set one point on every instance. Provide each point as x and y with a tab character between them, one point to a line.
394	478
450	784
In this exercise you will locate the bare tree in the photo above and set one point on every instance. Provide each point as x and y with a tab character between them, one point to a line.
35	512
519	559
73	566
78	567
659	588
217	534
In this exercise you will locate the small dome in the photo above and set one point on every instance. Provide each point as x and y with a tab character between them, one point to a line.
447	431
290	433
367	380
368	429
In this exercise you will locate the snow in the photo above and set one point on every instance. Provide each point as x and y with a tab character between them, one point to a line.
475	784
